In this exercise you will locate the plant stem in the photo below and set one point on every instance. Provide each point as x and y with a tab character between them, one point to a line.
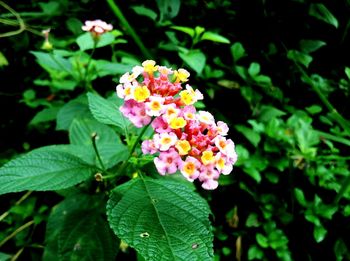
24	197
85	80
93	138
126	162
129	29
14	233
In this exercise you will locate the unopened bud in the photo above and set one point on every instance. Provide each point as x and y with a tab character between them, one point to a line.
98	177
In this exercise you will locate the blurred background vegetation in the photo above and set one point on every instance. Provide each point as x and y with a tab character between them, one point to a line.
277	71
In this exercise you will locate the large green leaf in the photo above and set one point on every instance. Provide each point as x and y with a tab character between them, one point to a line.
43	169
106	111
161	219
78	230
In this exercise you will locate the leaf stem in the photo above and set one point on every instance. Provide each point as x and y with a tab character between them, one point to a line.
114	7
93	139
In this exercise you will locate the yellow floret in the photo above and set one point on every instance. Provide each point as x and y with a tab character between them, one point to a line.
181	75
183	146
208	157
178	123
187	97
189	168
149	66
141	93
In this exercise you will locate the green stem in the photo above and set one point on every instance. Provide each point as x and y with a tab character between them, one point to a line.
126	162
88	85
93	138
129	29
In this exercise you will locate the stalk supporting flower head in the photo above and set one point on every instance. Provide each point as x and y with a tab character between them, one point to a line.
185	139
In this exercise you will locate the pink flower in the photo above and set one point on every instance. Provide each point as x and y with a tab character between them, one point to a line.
136	113
223	164
208	175
160	126
97	27
190	168
148	147
167	162
154	107
222	128
165	140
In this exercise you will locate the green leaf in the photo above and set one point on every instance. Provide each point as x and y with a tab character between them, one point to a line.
319	233
195	59
254	69
299	195
314	109
255	252
142	10
45	115
321	12
74	25
262	240
347	72
77	108
104	68
267	113
86	42
237	51
41	170
3	60
77	230
299	57
106	111
186	30
250	134
168	9
51	61
4	256
161	219
309	46
252	220
214	37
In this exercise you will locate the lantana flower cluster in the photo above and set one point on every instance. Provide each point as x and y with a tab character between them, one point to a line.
185	139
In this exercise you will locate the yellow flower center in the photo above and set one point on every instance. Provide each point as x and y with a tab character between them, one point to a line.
221	163
141	93
178	123
183	146
207	157
186	97
189	168
165	140
155	105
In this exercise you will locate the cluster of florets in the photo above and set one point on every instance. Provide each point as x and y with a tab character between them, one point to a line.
185	139
97	27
